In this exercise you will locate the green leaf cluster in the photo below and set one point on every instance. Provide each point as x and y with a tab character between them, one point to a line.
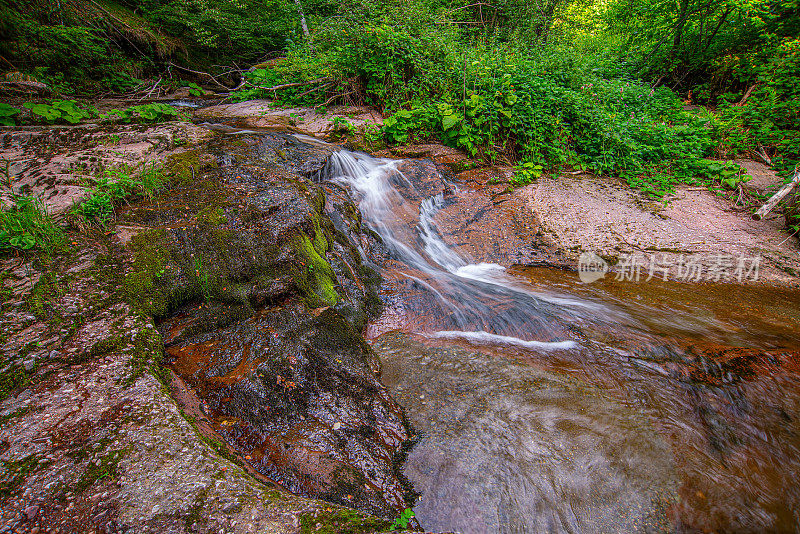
7	113
26	225
115	187
147	113
59	111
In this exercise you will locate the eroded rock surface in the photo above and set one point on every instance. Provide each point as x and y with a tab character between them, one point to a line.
261	303
276	351
266	114
598	215
57	164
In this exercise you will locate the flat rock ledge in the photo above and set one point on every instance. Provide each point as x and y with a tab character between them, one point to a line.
91	438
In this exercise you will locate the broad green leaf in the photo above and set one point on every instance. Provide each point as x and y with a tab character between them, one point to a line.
7	111
448	121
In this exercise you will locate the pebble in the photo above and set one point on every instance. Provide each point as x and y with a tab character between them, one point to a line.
31	512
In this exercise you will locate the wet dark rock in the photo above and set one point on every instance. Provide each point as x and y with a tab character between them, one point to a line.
263	297
90	434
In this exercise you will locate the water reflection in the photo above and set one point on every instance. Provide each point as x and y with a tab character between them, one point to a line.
546	405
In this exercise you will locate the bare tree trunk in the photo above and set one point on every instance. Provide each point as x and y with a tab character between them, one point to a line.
777	197
302	19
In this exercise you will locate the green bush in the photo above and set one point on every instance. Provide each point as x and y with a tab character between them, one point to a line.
115	187
527	111
771	115
25	225
148	113
59	111
7	115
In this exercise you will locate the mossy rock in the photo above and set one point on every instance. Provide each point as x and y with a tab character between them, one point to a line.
314	275
341	521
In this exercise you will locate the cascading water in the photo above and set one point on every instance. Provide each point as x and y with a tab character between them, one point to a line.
593	408
479	302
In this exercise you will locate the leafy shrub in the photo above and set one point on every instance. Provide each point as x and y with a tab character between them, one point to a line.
526	173
26	226
402	522
116	186
149	113
59	111
557	118
257	81
771	116
342	127
7	115
194	89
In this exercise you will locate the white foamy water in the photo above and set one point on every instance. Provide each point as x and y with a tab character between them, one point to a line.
470	297
487	338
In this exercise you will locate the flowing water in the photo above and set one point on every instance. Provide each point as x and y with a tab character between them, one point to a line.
546	405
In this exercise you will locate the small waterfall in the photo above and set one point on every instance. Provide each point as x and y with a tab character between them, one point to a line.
660	391
479	302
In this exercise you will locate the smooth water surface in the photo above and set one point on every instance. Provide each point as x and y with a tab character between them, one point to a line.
547	405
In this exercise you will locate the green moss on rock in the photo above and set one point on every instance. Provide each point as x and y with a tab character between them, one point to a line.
341	521
15	472
183	168
43	294
107	468
314	276
148	352
151	283
212	216
12	379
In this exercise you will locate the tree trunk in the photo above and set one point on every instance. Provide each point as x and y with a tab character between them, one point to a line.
777	197
678	35
302	19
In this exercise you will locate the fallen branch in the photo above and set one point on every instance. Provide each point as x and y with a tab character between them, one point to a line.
761	153
334	97
777	197
317	88
200	73
746	95
152	89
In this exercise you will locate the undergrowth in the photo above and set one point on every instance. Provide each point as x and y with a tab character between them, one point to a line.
72	112
115	187
26	225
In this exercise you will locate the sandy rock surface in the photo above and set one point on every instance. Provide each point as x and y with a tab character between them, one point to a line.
40	165
588	214
265	114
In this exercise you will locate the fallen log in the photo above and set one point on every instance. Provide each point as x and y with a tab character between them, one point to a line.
200	73
761	153
743	101
777	197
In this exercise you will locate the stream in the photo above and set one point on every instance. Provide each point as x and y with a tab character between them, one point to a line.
541	404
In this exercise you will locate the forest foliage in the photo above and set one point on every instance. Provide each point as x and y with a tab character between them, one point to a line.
541	84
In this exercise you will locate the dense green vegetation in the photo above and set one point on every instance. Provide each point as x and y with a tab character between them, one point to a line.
543	84
115	187
25	225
